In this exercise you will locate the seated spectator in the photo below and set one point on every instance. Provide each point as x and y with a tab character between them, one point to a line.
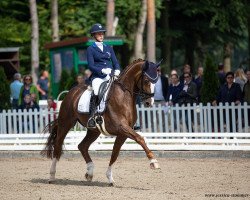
28	103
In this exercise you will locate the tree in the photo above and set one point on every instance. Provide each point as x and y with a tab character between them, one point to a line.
210	82
34	41
54	20
4	91
138	49
151	30
110	13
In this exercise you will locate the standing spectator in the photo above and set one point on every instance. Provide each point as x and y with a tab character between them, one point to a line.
43	85
173	92
15	88
230	92
221	74
186	69
86	77
28	103
240	78
161	89
198	81
27	88
246	93
188	95
79	81
51	103
51	106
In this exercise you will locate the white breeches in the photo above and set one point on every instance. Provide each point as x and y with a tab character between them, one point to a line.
97	82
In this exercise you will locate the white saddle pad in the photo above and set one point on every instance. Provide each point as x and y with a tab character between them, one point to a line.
83	104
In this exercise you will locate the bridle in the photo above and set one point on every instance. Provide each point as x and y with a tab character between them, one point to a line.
143	94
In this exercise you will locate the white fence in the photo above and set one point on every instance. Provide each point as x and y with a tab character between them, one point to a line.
195	127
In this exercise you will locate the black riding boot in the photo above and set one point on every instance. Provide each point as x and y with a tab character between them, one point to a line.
91	122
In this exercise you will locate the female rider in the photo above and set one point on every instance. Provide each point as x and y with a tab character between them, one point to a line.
101	61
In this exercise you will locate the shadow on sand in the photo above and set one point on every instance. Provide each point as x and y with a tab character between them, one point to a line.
81	183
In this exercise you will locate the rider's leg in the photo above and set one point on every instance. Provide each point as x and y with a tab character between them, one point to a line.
93	102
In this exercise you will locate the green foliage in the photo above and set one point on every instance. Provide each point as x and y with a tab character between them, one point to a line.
4	91
67	80
210	82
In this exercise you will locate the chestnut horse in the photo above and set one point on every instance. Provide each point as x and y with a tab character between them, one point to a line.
120	116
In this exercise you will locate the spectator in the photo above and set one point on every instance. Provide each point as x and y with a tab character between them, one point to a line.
240	78
188	95
87	74
186	69
230	92
198	81
161	89
27	88
15	88
28	103
51	103
43	85
246	93
221	74
79	81
173	92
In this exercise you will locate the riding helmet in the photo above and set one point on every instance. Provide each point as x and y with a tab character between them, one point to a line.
97	28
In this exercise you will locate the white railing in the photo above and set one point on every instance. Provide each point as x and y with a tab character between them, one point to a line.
197	127
195	118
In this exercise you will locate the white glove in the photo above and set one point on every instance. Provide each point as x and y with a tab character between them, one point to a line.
106	71
117	72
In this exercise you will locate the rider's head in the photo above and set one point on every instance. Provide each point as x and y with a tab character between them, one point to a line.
98	31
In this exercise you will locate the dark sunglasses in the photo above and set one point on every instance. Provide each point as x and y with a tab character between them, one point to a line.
230	77
186	76
27	79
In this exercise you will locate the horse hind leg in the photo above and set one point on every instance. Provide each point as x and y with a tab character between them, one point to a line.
119	141
62	130
83	147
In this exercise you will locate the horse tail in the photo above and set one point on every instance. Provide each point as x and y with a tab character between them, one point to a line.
49	146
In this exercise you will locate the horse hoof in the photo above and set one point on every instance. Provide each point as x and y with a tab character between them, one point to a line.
111	184
154	165
51	181
88	177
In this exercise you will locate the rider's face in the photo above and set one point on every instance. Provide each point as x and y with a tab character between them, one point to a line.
99	36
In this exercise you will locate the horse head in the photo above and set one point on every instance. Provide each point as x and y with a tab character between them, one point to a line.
147	80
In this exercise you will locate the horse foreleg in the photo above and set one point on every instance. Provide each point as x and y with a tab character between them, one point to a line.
90	137
53	170
116	149
129	132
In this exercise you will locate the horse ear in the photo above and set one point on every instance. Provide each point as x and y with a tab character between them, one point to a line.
146	65
159	63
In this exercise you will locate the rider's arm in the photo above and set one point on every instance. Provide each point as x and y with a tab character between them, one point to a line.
91	61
